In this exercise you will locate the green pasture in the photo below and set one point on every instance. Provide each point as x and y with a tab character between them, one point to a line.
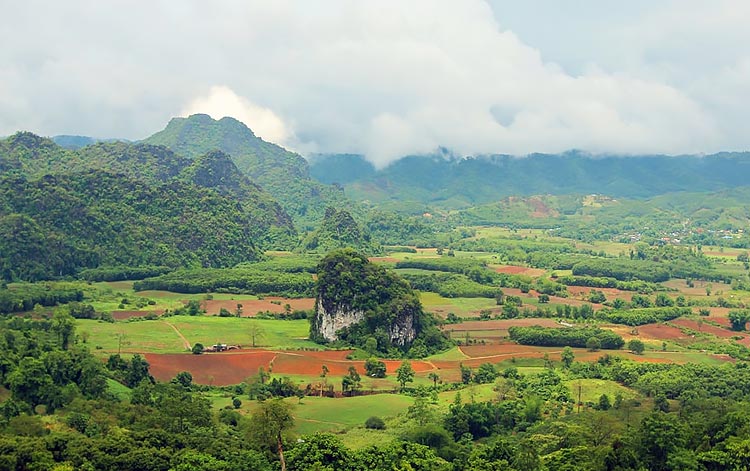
592	390
120	391
276	334
158	336
454	354
462	307
135	337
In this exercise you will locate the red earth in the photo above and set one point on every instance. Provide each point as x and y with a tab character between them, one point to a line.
708	328
518	270
227	368
250	307
660	332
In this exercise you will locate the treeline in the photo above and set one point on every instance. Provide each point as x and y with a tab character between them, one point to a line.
604	282
653	270
248	280
450	285
633	317
622	269
565	337
122	273
24	296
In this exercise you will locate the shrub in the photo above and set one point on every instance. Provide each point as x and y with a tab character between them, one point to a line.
375	423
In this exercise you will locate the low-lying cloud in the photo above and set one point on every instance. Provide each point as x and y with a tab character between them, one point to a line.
383	78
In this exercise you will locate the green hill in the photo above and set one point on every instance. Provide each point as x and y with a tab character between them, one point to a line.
284	174
337	231
128	204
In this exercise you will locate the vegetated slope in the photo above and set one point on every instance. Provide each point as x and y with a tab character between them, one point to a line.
339	230
455	182
119	203
284	174
692	216
57	225
31	157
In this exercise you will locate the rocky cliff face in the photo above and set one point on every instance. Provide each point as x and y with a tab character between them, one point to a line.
358	300
401	332
329	322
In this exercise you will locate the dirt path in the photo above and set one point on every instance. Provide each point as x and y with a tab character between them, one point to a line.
177	331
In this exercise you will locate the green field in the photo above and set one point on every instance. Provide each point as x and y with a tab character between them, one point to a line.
592	390
159	336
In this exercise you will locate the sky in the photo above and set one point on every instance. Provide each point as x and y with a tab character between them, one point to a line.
388	78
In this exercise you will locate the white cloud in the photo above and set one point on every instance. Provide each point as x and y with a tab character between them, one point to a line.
385	77
222	101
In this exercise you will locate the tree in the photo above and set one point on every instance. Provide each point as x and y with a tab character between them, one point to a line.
434	377
197	349
371	345
63	325
465	373
184	379
375	423
662	300
404	374
256	332
323	374
238	310
374	368
593	344
636	346
596	296
351	382
567	357
543	298
267	425
738	319
604	402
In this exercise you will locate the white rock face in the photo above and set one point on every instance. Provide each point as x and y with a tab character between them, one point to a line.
402	330
330	322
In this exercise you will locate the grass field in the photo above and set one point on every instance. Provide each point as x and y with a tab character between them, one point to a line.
135	337
592	390
121	391
160	336
462	307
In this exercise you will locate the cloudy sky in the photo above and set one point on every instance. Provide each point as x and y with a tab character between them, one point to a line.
388	78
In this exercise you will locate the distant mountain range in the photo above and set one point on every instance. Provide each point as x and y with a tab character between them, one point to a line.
454	182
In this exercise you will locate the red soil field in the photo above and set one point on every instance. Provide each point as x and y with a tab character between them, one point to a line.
518	270
124	315
708	328
210	368
222	369
250	307
660	332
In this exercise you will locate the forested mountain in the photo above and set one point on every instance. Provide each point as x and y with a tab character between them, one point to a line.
337	231
284	174
453	182
124	204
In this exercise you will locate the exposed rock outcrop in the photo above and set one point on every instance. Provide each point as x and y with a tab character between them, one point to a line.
358	300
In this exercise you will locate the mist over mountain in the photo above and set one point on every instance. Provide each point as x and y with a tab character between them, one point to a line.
454	182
